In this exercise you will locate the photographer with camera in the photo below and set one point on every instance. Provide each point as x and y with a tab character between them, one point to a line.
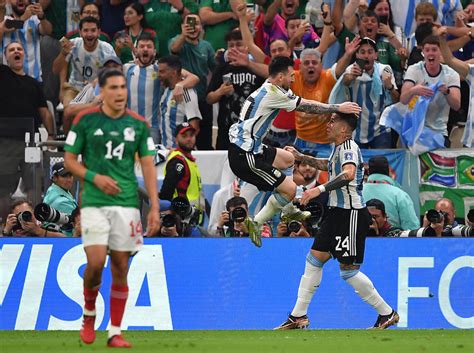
380	226
441	222
21	222
179	219
231	221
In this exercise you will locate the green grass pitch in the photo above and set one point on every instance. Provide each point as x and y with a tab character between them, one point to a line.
320	341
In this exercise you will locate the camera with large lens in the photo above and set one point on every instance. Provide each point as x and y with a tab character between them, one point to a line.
462	231
435	216
294	226
46	213
25	216
238	215
169	220
182	207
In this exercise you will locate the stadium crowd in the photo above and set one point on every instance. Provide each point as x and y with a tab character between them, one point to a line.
189	68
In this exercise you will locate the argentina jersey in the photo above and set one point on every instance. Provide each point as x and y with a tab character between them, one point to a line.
85	64
372	97
144	91
257	114
468	137
349	196
29	38
174	113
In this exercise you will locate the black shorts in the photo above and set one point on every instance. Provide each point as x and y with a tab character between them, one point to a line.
342	233
256	169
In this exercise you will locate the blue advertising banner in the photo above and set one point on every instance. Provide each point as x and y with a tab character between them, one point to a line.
187	284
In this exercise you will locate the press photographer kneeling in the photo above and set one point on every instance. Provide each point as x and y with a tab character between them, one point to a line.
179	219
289	227
440	222
231	221
21	222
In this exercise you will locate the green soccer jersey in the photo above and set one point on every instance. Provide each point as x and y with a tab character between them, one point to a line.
108	147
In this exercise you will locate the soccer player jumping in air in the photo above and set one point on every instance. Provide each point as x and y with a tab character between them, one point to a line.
343	228
266	167
108	137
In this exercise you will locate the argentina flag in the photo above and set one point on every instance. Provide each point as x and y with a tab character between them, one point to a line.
410	125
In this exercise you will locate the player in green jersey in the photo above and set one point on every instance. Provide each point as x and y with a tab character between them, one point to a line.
108	138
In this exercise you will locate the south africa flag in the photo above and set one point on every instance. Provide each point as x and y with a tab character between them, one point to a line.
437	169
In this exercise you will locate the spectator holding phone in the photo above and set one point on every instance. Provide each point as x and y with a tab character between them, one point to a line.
372	85
25	24
125	41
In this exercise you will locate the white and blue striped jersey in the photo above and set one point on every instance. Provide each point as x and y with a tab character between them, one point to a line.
468	137
86	64
368	124
349	196
29	37
257	114
144	91
174	113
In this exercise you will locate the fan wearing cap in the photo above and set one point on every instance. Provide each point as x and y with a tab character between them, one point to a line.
398	203
372	85
182	176
59	194
89	96
380	226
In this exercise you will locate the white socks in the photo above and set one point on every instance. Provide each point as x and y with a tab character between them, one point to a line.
309	283
274	204
366	290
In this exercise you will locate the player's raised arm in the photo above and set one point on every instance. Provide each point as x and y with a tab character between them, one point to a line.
314	107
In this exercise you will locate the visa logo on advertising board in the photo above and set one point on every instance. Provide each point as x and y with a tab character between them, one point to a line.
146	267
226	283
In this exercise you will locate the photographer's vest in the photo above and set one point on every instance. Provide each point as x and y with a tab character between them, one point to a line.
190	186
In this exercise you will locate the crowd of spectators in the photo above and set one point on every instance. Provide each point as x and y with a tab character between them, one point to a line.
195	63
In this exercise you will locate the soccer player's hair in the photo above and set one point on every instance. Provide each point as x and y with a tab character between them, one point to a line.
423	31
349	119
235	201
89	19
140	10
369	13
279	64
291	18
426	8
81	11
233	35
172	61
106	73
146	36
19	202
431	39
310	51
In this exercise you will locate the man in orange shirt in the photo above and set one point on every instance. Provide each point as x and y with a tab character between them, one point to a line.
312	82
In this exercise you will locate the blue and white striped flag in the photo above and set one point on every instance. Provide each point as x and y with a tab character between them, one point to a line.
410	125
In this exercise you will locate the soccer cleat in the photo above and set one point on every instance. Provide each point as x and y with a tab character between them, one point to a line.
385	321
254	232
87	330
293	213
117	341
293	323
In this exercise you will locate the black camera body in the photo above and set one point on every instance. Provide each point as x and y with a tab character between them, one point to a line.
435	216
25	216
184	216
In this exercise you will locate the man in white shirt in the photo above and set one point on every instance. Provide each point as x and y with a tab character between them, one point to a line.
85	56
421	75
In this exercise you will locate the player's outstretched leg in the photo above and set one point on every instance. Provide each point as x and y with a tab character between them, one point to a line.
366	290
310	281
